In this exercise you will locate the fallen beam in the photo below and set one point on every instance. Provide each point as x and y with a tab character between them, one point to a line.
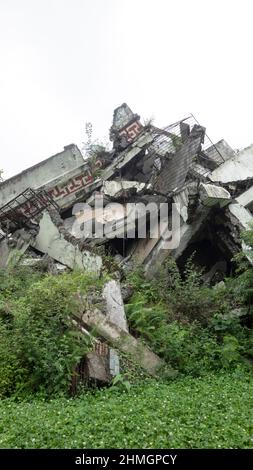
121	340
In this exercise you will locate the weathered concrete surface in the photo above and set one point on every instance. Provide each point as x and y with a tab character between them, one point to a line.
182	198
145	246
118	188
4	253
246	198
160	252
123	341
244	219
188	231
114	362
243	216
218	154
41	174
12	249
122	117
211	194
114	304
127	155
98	367
43	263
199	171
126	126
238	168
49	240
111	221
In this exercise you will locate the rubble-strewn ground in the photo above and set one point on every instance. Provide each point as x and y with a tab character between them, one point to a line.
211	412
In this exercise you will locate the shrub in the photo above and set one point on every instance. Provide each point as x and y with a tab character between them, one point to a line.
38	335
185	296
12	375
190	325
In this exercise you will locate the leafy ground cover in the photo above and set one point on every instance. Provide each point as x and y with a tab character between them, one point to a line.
215	411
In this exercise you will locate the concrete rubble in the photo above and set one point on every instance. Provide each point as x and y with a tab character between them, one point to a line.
70	212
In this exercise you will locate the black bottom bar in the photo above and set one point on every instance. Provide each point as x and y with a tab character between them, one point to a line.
108	459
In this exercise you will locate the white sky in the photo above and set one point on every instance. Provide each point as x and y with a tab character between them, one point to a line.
66	62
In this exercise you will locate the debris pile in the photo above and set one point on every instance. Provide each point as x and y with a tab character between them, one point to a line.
70	212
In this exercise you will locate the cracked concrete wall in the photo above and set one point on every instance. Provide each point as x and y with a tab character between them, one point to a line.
49	240
41	174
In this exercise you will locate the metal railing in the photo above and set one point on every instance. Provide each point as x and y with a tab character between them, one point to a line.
25	207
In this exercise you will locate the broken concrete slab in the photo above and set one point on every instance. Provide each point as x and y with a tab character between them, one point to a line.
243	216
50	240
117	189
145	246
211	194
114	362
100	364
114	304
185	233
128	154
43	263
140	353
238	168
168	163
13	248
246	198
97	367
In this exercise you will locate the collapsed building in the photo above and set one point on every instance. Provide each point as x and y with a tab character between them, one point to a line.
70	211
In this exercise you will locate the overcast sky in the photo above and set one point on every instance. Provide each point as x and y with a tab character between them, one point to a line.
67	62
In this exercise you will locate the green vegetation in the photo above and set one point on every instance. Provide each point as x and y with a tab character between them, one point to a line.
193	327
39	344
212	412
202	397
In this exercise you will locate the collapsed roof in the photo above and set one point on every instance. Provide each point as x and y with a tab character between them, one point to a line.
42	210
178	163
